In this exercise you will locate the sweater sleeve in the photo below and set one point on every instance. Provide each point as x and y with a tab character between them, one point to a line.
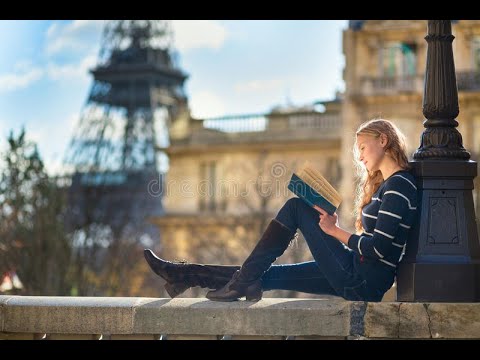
398	201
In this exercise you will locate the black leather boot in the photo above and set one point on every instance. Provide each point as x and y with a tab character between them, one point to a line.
182	275
247	281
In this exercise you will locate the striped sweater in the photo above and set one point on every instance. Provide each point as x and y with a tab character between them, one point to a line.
386	221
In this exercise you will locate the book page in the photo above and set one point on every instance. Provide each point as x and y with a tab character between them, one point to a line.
313	178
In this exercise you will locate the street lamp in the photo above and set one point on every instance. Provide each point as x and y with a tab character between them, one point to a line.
442	259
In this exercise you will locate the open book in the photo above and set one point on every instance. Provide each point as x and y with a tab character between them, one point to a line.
308	184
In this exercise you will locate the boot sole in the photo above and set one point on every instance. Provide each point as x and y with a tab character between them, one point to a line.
174	290
222	300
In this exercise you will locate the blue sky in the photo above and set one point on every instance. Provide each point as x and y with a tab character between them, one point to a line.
234	67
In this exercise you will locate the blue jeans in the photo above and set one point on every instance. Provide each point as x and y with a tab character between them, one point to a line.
333	271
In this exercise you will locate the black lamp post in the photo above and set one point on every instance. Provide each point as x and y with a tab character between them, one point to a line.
442	259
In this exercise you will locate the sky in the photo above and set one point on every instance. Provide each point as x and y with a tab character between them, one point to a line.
234	67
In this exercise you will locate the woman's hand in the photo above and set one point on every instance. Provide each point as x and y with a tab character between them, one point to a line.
328	223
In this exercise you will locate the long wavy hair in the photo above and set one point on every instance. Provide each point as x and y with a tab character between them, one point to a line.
370	181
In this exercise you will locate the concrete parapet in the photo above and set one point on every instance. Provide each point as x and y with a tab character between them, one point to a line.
43	317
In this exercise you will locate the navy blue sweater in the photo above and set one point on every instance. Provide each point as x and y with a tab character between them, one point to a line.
387	220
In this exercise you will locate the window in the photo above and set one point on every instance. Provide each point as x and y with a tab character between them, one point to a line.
476	54
207	188
398	59
334	172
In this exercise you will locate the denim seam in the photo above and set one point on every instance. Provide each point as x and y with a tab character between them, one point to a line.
326	243
297	278
353	289
364	282
335	257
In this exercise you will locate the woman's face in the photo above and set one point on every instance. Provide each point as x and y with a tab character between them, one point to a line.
371	150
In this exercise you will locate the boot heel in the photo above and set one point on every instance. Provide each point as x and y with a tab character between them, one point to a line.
175	289
254	291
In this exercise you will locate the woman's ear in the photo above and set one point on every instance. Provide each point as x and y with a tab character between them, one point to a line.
383	140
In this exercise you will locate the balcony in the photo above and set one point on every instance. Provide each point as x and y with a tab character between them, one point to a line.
370	86
102	318
247	129
468	81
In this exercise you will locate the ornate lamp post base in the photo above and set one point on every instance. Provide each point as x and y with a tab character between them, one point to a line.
442	260
443	282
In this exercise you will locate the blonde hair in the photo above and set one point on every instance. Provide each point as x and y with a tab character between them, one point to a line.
370	181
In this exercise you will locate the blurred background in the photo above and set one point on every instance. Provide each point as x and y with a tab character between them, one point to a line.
181	136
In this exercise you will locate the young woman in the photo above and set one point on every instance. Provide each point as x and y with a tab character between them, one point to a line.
358	266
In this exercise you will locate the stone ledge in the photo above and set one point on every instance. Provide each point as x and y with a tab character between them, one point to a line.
319	318
275	317
422	320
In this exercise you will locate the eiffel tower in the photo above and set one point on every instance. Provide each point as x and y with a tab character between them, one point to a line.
137	90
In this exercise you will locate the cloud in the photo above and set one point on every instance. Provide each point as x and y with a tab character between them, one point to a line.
192	34
260	85
60	37
25	74
72	71
206	104
20	78
75	36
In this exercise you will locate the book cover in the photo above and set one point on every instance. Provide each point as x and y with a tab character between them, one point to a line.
309	185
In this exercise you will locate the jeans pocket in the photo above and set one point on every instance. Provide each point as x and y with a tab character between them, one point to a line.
356	293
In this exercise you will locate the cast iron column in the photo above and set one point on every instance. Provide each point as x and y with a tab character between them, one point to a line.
442	259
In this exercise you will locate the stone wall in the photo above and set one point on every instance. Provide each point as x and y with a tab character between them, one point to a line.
30	317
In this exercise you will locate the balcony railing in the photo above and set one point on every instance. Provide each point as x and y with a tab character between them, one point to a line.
261	128
258	123
240	123
102	318
391	85
315	121
468	80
